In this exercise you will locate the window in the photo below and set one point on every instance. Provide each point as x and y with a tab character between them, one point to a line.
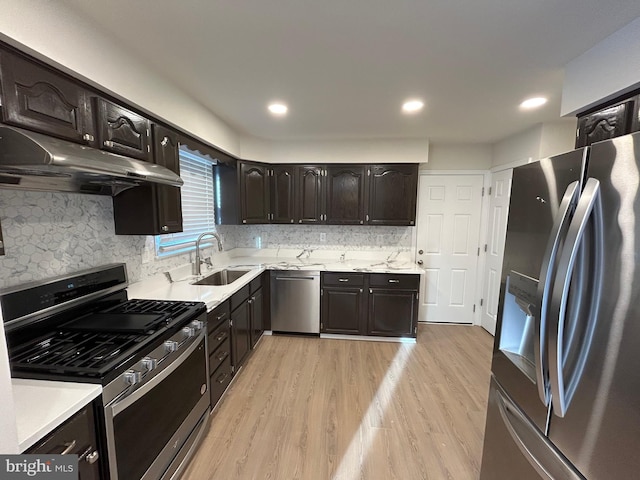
197	204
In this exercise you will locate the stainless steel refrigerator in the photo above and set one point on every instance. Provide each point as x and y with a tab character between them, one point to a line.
564	401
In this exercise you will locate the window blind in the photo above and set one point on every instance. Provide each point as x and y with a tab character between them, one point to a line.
197	205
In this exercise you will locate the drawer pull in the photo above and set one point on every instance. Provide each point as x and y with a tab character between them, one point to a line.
343	279
93	457
221	316
222	378
69	446
222	356
221	337
394	281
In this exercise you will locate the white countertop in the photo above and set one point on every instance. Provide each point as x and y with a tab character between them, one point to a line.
42	405
256	261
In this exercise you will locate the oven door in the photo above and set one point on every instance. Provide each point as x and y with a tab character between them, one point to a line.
147	429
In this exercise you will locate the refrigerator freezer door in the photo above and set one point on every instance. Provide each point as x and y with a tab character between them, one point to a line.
537	194
600	431
515	449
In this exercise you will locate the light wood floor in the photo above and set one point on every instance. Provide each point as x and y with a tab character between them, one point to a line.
312	409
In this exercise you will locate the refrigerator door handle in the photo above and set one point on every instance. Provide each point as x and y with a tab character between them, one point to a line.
589	208
534	446
558	233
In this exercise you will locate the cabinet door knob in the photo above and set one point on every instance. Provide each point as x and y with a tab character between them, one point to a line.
244	221
108	143
164	141
165	228
420	252
88	137
420	262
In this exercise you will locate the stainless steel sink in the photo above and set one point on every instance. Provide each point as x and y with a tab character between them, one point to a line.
223	277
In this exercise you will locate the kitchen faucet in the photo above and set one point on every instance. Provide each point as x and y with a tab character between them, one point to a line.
198	262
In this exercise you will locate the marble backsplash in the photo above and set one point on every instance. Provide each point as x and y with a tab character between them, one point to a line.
326	237
48	234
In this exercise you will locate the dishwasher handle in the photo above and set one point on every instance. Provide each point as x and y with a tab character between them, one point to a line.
296	278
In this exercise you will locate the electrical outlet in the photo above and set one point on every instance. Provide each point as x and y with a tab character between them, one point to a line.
323	237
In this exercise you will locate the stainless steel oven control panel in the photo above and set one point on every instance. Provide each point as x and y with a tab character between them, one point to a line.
154	361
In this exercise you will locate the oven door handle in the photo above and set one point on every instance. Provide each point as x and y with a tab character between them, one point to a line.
129	400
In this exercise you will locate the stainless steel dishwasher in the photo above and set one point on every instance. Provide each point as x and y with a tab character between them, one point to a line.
295	301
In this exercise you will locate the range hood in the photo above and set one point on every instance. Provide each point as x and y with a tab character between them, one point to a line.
33	161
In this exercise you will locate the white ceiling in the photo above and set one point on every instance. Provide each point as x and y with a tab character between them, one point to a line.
344	67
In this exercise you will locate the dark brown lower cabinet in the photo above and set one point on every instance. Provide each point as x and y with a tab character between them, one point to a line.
240	334
392	313
369	304
256	303
77	436
219	349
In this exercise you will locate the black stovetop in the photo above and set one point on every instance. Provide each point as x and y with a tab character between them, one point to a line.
94	345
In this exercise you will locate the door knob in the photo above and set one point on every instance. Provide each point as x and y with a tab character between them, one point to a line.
420	252
420	262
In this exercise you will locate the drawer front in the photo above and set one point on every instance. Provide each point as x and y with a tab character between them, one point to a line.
220	355
390	280
345	279
220	380
218	315
256	283
239	297
218	337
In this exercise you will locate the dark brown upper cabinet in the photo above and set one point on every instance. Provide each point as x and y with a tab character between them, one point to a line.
310	194
346	192
393	189
152	209
37	98
123	131
254	193
282	194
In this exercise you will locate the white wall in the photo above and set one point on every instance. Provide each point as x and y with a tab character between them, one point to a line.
558	137
8	433
521	147
337	151
589	78
475	156
50	31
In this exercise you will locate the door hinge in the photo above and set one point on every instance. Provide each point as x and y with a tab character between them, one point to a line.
481	301
417	295
233	369
485	247
368	172
490	188
483	191
478	251
474	308
321	292
321	326
415	330
230	323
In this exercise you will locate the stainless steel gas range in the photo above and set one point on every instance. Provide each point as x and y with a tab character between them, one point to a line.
149	356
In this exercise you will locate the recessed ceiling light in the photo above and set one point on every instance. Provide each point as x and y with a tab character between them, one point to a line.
412	106
535	102
278	108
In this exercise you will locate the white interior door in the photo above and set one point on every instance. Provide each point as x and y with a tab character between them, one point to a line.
498	214
447	243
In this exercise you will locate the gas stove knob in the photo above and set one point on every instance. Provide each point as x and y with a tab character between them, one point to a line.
149	363
170	346
197	325
189	332
131	377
